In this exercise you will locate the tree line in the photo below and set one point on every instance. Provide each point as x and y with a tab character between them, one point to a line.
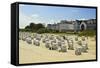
34	27
38	28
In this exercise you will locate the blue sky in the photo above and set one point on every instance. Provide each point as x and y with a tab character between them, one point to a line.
49	14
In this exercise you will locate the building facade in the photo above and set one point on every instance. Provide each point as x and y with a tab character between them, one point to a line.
76	25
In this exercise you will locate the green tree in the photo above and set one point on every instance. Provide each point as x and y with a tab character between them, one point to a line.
38	26
27	27
32	25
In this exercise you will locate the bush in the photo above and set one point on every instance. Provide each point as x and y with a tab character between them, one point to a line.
87	33
41	30
25	30
45	30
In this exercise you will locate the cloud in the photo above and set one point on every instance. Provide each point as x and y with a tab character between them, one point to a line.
27	19
35	16
82	19
23	20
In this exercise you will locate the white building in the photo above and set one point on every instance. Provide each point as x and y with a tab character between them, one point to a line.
66	25
77	25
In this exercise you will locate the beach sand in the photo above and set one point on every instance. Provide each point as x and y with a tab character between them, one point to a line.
29	53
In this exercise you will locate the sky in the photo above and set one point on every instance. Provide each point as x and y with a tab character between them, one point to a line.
52	14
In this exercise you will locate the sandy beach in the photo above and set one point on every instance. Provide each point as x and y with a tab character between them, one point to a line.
29	53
